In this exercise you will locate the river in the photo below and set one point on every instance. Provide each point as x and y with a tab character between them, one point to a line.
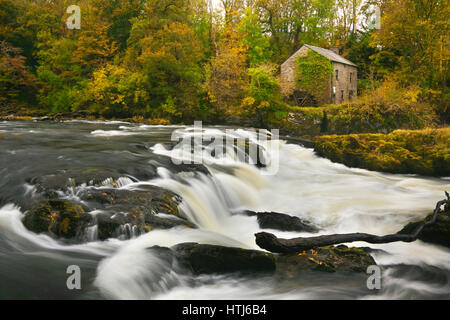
336	198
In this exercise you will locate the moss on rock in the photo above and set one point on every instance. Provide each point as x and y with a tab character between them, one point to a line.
437	233
326	259
425	152
57	217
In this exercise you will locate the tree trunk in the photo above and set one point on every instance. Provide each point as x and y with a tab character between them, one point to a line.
271	243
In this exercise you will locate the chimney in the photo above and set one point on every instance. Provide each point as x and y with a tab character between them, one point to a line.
335	50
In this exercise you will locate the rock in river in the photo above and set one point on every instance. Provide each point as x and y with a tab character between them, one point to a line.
118	212
205	258
214	259
327	259
437	233
59	218
281	221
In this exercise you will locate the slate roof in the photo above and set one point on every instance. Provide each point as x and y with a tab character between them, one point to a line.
330	55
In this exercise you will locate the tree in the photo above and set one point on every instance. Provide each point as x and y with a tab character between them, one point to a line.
414	34
264	96
115	91
258	45
227	75
163	47
15	79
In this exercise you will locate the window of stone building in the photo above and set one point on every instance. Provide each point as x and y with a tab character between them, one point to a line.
342	95
337	74
350	95
351	76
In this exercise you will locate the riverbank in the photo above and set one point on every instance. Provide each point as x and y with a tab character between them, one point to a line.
424	152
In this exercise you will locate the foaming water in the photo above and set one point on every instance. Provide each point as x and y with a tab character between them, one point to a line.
335	198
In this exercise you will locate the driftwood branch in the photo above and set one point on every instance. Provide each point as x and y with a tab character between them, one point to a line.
271	243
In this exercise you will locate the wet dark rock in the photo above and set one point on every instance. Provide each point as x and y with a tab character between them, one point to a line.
437	233
281	221
190	167
121	212
110	226
210	259
58	218
151	200
65	179
327	259
214	259
164	253
143	210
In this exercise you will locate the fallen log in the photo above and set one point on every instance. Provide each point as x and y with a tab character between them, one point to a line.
271	243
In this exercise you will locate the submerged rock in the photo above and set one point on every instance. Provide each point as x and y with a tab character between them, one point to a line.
326	259
281	221
437	233
59	218
49	185
118	212
140	210
209	259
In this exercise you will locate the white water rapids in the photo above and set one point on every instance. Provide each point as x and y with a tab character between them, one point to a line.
335	198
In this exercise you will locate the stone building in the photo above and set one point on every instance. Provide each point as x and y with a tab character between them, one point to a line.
341	87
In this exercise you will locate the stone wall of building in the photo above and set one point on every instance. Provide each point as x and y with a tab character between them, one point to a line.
342	86
345	80
288	71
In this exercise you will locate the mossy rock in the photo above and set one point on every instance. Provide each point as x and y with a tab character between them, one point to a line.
213	259
144	210
424	152
59	218
437	233
120	210
326	259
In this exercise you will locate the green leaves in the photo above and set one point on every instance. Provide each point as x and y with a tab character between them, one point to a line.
313	73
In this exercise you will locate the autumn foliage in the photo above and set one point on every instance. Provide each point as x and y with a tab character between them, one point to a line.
182	60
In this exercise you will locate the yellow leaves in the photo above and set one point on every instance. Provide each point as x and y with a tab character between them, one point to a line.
263	105
117	99
248	101
64	225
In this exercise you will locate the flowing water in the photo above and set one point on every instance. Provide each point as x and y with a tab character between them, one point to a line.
332	196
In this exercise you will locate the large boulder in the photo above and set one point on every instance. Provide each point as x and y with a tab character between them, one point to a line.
117	212
209	259
214	259
138	210
58	218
